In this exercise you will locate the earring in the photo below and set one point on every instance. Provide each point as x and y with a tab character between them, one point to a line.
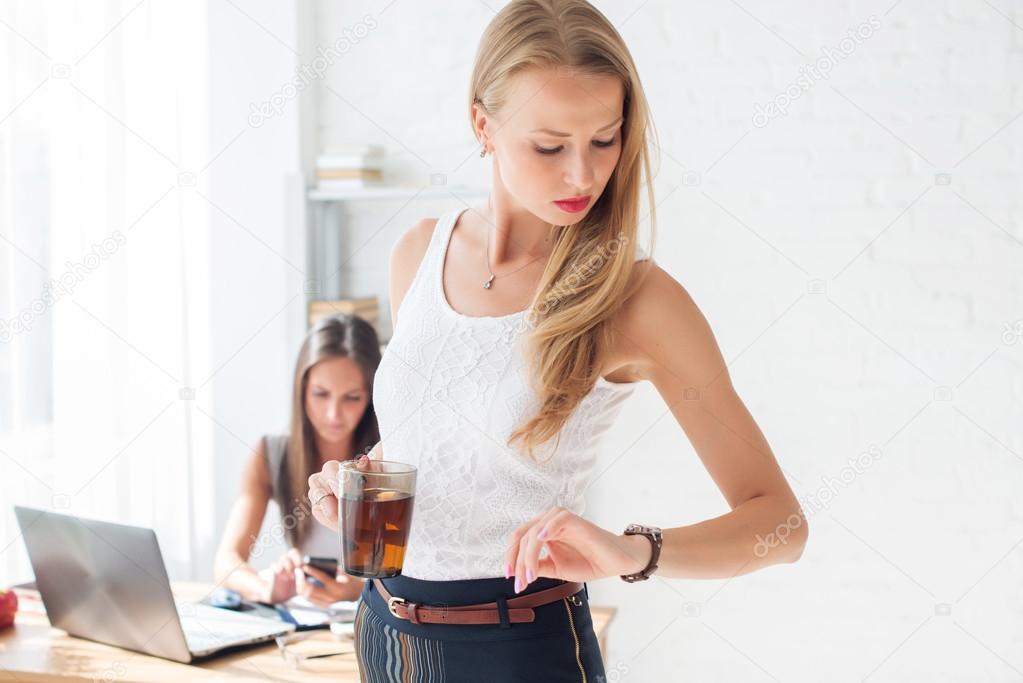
483	152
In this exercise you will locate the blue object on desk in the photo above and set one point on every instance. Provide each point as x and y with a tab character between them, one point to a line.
287	617
225	598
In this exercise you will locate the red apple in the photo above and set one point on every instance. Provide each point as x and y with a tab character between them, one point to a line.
8	607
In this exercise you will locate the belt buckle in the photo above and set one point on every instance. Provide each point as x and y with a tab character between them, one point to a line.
392	603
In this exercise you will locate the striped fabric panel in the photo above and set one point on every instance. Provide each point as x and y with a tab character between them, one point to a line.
389	656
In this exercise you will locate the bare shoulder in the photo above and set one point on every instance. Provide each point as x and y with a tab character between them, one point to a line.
661	326
658	293
411	244
255	476
406	256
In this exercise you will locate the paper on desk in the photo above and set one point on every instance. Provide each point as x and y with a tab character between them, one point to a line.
306	613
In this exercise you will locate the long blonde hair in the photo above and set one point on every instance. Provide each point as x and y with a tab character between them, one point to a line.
338	335
587	278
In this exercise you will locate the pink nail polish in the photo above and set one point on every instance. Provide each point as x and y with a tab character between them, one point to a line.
517	586
542	535
529	576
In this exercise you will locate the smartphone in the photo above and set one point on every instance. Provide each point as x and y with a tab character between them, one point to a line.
327	565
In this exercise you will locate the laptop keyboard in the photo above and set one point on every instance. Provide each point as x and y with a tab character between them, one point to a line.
210	628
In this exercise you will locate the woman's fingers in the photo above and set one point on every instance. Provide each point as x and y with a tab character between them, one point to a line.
328	475
511	556
521	580
285	565
317	573
528	551
282	584
323	495
347	588
342	587
319	597
313	594
377	452
324	491
325	511
536	538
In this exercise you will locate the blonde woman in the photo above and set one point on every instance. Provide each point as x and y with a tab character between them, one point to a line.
332	419
520	328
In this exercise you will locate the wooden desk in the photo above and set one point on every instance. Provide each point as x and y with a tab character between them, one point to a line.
32	650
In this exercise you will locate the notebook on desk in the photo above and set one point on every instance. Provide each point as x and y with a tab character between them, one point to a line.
107	582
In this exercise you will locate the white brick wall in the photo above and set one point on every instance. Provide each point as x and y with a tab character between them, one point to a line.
852	167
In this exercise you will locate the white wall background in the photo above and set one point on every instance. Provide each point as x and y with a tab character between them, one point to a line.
259	301
860	259
861	298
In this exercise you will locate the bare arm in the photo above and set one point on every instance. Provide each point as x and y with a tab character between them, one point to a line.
231	567
406	256
669	343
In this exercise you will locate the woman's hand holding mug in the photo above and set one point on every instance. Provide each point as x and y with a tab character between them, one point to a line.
323	491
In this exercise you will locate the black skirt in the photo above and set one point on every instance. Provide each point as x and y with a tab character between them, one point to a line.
559	645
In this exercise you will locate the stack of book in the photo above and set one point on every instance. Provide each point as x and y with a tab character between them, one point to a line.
366	308
350	167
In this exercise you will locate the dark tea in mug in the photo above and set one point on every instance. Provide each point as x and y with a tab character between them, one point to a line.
374	515
374	533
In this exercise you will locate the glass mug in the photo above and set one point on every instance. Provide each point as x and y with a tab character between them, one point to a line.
374	515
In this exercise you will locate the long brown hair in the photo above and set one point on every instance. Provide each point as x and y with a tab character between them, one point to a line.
339	335
587	278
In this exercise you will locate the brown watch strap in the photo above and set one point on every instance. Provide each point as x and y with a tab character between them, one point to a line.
652	534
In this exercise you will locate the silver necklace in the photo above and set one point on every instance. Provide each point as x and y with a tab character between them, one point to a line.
486	254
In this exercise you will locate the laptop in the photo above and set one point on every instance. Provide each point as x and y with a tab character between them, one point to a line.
107	582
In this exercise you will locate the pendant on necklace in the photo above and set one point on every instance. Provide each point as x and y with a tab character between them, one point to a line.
486	285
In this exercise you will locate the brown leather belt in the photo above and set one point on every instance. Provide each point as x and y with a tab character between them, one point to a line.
520	609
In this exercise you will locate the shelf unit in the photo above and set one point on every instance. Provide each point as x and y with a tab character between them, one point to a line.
327	221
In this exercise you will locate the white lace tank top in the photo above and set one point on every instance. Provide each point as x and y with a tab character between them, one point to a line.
448	392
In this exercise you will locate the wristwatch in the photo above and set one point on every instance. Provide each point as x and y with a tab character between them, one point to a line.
654	534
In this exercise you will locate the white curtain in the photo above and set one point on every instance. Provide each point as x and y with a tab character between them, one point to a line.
103	273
